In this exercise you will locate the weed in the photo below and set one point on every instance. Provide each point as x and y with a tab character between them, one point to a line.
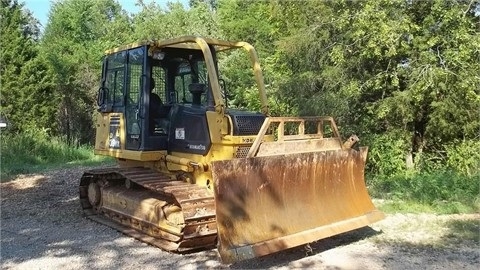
444	192
35	151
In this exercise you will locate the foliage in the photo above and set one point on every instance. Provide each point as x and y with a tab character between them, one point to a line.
36	150
247	21
464	157
393	63
387	154
26	96
250	21
77	34
444	192
154	22
403	75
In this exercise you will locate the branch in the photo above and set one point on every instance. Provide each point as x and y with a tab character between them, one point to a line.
468	8
442	62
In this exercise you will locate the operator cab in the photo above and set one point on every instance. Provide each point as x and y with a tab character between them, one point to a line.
163	94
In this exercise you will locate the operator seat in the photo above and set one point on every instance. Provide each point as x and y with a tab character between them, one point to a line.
155	101
197	90
158	113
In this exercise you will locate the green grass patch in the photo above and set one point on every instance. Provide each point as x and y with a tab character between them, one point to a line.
399	206
443	192
34	152
466	230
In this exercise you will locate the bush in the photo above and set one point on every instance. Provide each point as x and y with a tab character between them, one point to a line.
464	157
386	154
447	191
35	149
444	181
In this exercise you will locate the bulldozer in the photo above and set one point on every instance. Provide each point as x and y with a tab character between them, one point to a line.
193	173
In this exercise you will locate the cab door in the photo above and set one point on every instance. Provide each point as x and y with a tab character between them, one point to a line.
110	102
133	97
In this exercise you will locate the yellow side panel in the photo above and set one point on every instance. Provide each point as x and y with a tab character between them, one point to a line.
110	131
102	125
110	139
133	155
217	126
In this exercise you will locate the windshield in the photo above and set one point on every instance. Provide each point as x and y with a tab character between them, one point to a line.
187	73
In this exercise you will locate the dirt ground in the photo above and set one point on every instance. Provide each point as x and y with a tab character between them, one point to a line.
42	227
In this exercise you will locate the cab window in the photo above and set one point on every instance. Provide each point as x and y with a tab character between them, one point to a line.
189	72
115	79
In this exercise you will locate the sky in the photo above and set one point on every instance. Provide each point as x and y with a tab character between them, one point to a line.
40	8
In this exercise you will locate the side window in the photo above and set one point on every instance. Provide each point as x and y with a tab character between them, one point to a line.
115	79
158	74
202	72
186	75
135	64
183	79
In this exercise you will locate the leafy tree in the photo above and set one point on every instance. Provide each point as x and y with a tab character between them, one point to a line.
27	99
76	36
444	80
406	69
155	22
247	21
251	21
211	4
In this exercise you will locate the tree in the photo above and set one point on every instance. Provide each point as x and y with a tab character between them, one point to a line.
398	69
27	99
443	66
251	21
76	36
155	22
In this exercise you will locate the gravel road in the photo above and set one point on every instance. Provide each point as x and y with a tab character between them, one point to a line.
42	227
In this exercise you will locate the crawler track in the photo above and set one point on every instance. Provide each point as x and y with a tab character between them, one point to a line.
151	207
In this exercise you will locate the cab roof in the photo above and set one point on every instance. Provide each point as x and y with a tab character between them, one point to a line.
185	42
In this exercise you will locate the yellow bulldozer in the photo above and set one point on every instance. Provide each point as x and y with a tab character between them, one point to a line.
194	174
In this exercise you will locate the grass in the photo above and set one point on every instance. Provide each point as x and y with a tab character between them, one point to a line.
467	230
441	192
35	152
429	231
399	206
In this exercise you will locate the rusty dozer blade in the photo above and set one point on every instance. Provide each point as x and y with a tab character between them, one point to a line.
270	203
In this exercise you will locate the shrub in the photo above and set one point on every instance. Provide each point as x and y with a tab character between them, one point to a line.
447	191
34	149
464	157
446	180
386	154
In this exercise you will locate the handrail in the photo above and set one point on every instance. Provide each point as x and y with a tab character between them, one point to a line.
282	137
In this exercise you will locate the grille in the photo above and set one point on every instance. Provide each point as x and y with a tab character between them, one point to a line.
247	124
114	133
242	151
114	120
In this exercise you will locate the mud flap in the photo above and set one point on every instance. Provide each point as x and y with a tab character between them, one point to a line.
268	204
